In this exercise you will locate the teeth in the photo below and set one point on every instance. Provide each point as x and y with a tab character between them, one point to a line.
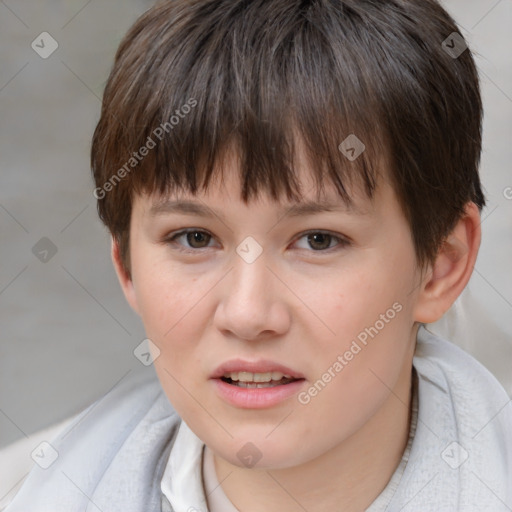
271	384
255	377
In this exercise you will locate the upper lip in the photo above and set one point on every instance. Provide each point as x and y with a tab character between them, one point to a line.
259	366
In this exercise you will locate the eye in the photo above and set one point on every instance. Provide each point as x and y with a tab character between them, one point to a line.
321	240
195	237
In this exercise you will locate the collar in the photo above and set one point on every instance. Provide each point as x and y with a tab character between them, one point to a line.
182	480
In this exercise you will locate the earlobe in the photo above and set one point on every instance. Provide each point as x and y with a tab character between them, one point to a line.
125	280
452	269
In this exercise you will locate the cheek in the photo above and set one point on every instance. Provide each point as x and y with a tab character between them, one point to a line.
366	311
172	311
352	379
366	294
167	299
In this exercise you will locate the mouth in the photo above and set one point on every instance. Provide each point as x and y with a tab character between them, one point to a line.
256	384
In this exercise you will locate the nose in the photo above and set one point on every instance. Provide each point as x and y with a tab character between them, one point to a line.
253	301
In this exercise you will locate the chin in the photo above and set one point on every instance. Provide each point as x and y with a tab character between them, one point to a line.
256	452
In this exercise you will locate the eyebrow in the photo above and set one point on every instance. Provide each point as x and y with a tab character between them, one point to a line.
295	210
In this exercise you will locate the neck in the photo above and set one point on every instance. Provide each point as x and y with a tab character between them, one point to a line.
348	477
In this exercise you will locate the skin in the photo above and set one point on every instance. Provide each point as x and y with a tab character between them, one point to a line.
300	306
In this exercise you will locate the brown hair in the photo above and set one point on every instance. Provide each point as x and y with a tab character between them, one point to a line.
193	78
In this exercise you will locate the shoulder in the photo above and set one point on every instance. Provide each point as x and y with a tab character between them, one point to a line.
114	414
132	423
462	450
464	385
452	368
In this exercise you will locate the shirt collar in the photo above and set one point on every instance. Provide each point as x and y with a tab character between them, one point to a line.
182	482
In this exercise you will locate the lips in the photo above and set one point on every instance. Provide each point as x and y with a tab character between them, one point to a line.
253	385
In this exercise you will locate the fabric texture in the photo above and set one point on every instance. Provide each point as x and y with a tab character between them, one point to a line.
113	456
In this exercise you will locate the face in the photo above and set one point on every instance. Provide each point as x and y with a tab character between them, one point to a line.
265	291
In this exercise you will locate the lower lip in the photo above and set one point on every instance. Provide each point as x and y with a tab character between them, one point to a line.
256	398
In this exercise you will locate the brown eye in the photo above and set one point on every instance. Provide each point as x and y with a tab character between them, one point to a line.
321	241
195	239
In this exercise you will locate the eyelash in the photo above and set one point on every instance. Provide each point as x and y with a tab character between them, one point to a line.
170	240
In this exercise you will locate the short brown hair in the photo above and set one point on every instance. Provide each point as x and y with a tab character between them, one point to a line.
192	78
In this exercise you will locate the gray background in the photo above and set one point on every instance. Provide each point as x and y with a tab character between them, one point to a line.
67	336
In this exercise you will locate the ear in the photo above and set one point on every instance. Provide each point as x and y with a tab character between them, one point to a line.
125	279
452	269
